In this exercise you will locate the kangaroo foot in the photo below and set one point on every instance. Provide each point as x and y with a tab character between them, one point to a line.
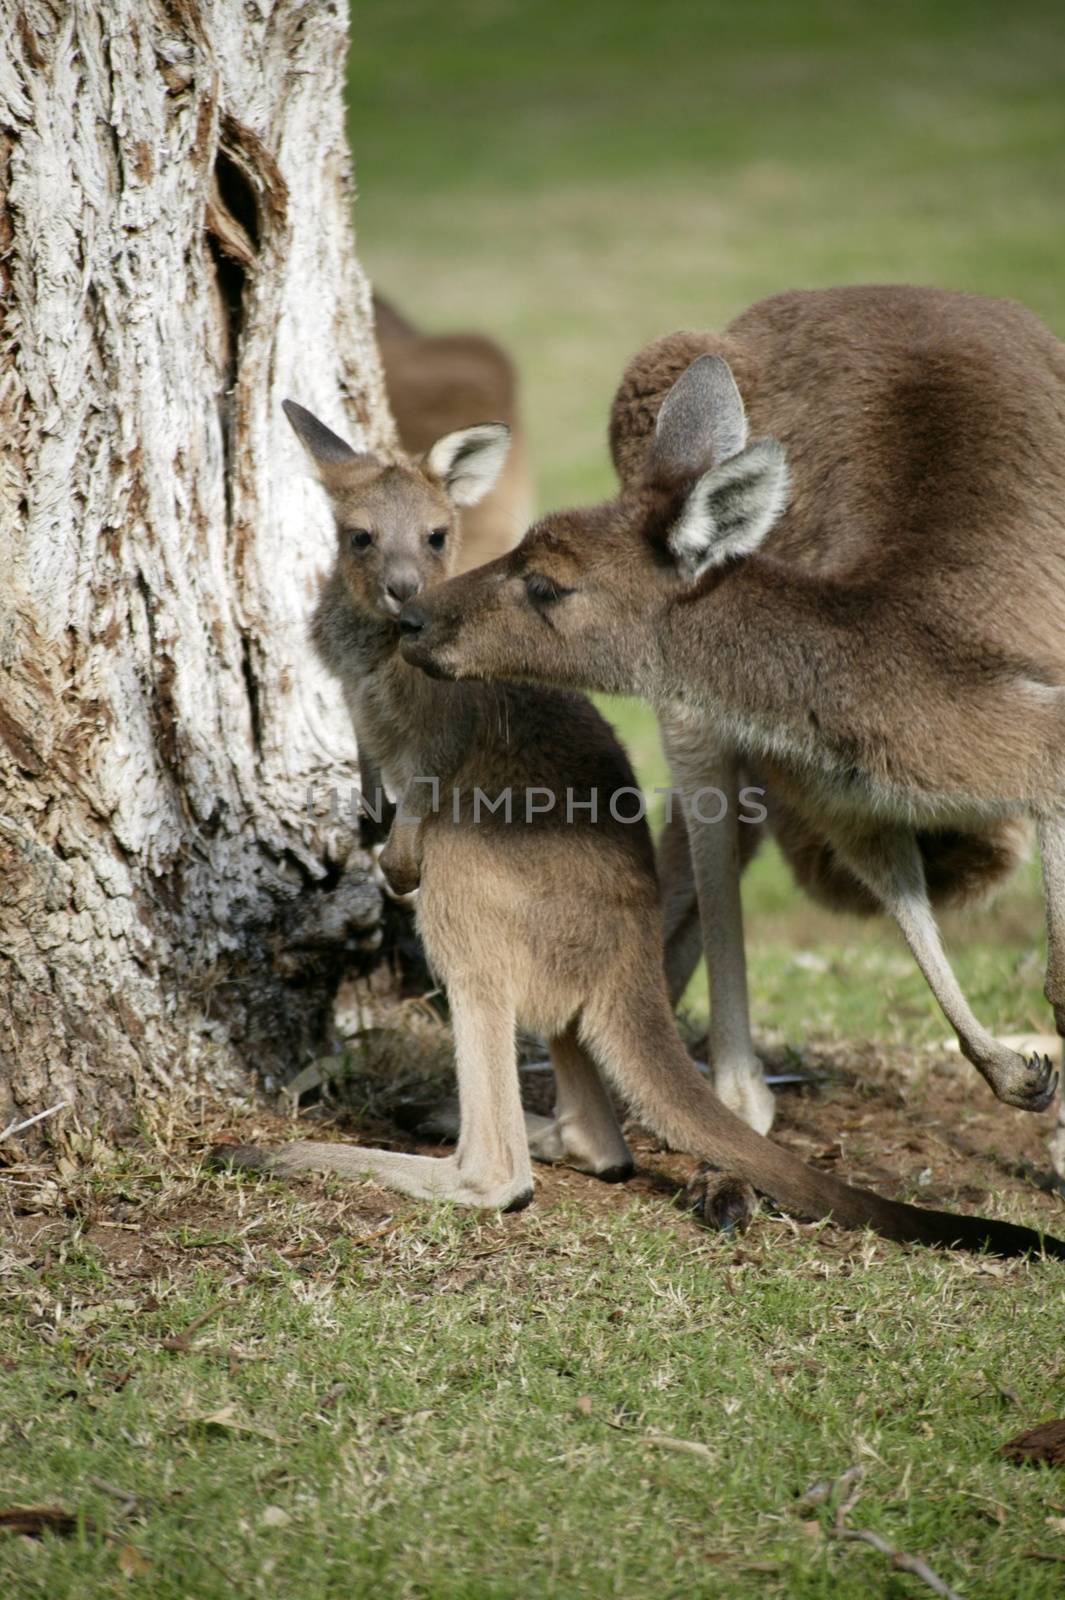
555	1141
744	1090
1028	1082
726	1204
473	1183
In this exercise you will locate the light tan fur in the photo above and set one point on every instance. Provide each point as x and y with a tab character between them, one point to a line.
549	919
882	640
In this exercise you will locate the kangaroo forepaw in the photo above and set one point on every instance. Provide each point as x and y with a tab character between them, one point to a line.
396	878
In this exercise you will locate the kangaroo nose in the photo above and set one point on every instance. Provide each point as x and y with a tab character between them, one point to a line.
412	619
402	587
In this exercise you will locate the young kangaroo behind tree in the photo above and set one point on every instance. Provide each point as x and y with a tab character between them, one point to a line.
536	912
882	640
438	383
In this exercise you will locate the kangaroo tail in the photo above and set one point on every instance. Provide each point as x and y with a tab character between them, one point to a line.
638	1047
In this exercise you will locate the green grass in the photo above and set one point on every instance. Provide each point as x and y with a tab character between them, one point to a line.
578	179
462	1408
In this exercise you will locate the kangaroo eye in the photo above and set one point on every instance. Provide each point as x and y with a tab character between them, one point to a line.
360	538
438	538
544	591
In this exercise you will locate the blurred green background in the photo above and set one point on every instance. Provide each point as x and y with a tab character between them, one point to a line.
576	179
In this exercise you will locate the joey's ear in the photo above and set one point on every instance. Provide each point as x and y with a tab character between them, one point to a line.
326	449
467	463
701	422
731	509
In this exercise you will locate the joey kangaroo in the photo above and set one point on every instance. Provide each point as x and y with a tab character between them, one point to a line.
881	638
534	910
438	383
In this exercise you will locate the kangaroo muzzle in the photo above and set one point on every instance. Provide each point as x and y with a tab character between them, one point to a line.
421	637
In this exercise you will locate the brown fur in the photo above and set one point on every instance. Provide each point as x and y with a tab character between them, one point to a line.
439	382
547	922
893	655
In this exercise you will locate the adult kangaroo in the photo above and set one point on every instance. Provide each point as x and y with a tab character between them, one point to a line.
538	901
865	606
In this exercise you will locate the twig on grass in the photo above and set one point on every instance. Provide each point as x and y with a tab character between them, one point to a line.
377	1233
848	1488
183	1341
20	1127
126	1497
900	1560
658	1441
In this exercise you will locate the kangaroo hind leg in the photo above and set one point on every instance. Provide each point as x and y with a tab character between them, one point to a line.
700	770
584	1132
682	934
890	865
490	1167
1052	849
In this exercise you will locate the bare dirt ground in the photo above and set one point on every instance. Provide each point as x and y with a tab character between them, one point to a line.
908	1124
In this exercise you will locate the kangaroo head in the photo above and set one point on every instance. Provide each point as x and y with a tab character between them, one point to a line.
583	601
396	523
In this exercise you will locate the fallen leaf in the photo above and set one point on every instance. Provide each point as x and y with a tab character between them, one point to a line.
131	1563
275	1517
690	1447
1057	1523
84	1316
1045	1443
227	1421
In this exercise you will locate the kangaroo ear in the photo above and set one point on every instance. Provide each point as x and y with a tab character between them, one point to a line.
330	453
320	442
731	509
467	463
701	421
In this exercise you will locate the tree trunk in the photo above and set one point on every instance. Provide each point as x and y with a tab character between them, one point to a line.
176	256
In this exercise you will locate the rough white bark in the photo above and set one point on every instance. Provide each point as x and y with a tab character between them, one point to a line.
176	256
